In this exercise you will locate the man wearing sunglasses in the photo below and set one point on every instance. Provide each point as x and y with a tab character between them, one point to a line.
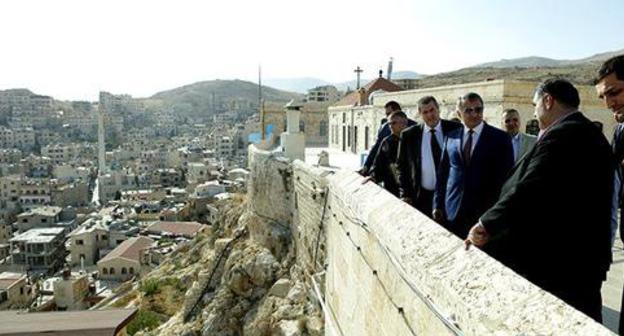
475	163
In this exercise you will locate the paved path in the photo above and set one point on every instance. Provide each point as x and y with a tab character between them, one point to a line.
612	289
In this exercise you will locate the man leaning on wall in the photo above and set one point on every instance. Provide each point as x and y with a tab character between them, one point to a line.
382	133
554	210
610	88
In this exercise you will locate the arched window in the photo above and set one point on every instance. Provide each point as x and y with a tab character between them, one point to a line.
301	126
112	271
532	127
323	128
131	270
104	270
124	270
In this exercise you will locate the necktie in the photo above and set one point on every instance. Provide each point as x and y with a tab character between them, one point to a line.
468	147
436	151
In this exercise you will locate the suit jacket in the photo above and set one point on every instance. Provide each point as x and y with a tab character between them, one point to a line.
384	164
382	133
554	211
409	159
464	192
526	143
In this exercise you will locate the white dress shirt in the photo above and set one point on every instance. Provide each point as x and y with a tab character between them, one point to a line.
515	142
475	136
427	165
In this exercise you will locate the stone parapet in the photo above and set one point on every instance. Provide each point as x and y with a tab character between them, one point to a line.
393	271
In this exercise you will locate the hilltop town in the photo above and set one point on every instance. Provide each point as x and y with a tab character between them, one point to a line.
183	213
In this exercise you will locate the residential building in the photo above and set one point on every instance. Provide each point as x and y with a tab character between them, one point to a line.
87	242
175	229
14	291
325	93
71	290
126	260
39	249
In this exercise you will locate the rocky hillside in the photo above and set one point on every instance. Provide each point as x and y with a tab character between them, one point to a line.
224	284
208	97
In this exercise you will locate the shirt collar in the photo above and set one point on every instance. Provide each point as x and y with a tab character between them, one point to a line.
563	117
477	130
437	127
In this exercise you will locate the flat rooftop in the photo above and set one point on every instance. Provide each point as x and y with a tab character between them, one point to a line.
40	235
337	159
86	322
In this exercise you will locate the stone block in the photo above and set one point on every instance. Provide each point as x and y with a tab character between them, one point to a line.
281	288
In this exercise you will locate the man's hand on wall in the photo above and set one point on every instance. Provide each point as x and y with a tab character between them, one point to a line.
477	236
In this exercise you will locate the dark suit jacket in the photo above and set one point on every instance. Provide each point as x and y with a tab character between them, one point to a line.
409	160
554	211
382	133
465	192
384	164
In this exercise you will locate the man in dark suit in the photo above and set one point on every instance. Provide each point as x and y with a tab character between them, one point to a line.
610	87
475	163
384	167
554	212
420	153
384	130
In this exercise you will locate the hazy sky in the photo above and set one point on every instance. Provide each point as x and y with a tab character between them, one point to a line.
73	49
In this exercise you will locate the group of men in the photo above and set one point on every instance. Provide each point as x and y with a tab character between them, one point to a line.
543	206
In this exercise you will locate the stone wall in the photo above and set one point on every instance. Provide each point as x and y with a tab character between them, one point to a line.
385	269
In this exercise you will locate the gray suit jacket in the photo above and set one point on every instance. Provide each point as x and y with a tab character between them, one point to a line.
526	143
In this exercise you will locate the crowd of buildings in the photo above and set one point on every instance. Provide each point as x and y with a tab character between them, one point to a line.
70	232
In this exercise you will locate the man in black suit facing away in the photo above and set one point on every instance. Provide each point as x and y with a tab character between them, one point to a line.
554	211
610	88
420	152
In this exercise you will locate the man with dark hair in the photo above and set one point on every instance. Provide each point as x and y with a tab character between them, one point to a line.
567	180
610	88
420	152
384	167
475	162
390	107
521	142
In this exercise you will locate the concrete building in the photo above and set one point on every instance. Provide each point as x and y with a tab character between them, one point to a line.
353	127
116	181
39	217
64	172
39	249
87	242
75	323
61	153
321	94
175	229
126	260
14	291
208	189
71	290
167	178
197	173
74	194
10	156
24	138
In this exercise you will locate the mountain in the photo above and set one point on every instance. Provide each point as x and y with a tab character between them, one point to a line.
536	61
300	84
524	62
205	97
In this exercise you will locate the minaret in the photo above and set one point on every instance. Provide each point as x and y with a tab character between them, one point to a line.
101	147
293	140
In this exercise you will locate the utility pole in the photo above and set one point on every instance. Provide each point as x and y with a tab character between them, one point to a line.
358	71
261	103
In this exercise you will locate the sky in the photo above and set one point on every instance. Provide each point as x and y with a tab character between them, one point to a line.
73	49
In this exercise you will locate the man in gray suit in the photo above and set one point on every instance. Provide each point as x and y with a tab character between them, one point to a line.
521	142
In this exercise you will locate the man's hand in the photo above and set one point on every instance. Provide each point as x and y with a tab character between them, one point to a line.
438	216
363	171
368	178
477	236
407	200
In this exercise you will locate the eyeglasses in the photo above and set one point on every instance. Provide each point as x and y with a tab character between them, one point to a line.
478	109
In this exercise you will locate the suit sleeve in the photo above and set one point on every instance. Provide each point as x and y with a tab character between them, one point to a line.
516	199
406	186
380	167
381	134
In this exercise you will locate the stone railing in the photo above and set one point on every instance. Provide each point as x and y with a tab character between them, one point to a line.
386	269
